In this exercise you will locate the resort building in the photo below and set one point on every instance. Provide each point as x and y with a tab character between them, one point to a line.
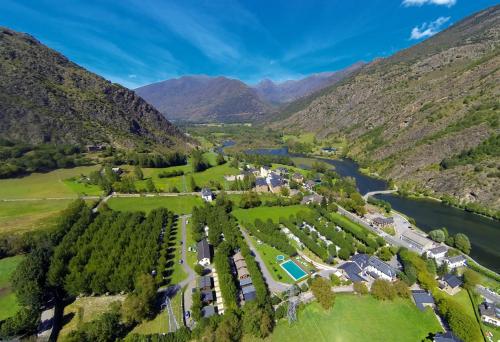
265	171
207	311
207	195
205	283
490	313
309	185
437	253
456	261
360	266
261	185
450	284
275	182
314	198
416	240
204	257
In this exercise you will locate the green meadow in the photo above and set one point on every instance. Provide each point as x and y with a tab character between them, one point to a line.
265	213
182	204
8	302
357	318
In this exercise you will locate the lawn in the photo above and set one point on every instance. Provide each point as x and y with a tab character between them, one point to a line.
43	185
159	324
83	189
23	216
264	213
358	318
178	273
178	204
268	254
192	258
8	302
85	309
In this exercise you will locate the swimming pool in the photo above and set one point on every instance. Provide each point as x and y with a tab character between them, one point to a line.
293	270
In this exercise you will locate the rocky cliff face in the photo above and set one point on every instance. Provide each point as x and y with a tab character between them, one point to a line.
205	99
44	97
404	115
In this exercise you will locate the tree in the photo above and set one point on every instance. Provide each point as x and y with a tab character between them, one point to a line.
284	191
199	269
442	269
150	186
322	291
462	243
437	235
220	159
471	278
360	288
229	329
138	173
192	184
139	304
401	289
198	161
335	280
382	289
196	305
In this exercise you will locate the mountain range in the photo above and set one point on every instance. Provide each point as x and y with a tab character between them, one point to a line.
44	97
221	99
427	116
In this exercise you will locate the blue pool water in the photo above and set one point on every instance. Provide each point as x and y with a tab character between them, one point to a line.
293	270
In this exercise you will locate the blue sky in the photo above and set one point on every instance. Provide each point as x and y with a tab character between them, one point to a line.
137	42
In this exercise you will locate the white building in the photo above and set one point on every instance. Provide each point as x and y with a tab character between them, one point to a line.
456	261
437	253
416	240
207	195
264	171
490	313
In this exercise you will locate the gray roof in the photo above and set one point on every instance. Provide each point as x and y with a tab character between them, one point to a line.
206	192
446	337
249	292
260	182
203	249
360	259
353	271
248	289
207	311
205	282
207	296
275	181
438	250
452	280
383	220
382	266
457	258
245	282
488	309
315	198
422	297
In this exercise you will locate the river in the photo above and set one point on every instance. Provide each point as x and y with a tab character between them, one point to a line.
484	233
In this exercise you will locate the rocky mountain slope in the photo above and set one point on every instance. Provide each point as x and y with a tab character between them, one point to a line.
205	99
427	117
44	97
288	91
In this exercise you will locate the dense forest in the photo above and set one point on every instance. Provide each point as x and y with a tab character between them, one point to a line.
21	159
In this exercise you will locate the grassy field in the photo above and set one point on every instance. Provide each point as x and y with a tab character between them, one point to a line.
83	189
8	302
159	324
85	309
358	318
42	185
23	216
192	258
178	273
268	254
177	204
264	213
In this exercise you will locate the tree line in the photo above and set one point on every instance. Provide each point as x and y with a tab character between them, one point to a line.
271	234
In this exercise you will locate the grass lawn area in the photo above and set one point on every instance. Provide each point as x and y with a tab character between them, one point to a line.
23	216
192	258
159	324
463	299
358	318
264	213
85	309
83	189
178	204
43	185
8	301
268	254
178	274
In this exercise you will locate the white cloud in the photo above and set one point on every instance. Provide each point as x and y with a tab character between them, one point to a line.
132	76
448	3
428	29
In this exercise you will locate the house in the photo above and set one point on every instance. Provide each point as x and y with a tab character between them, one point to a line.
265	171
437	253
204	256
117	170
253	171
282	171
309	185
376	268
207	296
490	313
245	282
298	178
207	311
275	182
241	269
456	261
361	265
416	240
352	272
248	293
205	283
423	299
232	178
329	150
383	221
450	283
207	195
314	198
261	185
446	337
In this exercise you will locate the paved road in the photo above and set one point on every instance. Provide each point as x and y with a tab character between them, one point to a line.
274	286
373	193
490	296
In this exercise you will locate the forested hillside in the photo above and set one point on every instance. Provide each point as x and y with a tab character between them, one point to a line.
44	97
426	117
